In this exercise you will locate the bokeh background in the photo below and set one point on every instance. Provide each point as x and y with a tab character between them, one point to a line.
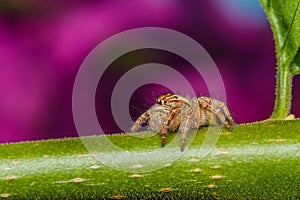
44	42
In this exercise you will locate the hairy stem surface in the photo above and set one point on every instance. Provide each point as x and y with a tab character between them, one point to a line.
253	161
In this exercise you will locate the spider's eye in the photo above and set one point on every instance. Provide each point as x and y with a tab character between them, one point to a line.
160	102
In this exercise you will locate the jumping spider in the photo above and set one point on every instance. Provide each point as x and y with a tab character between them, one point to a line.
172	112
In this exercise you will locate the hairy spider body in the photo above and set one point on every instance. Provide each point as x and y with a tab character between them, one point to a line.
173	112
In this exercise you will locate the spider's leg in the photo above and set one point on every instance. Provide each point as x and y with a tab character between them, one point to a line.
219	109
142	119
163	131
202	117
184	128
225	110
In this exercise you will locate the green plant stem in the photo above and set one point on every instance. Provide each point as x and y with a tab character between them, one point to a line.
254	161
282	106
284	20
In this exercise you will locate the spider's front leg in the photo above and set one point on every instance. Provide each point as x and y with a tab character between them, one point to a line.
142	119
219	109
184	128
164	129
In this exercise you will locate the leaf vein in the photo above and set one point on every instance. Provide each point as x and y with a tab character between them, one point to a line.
290	27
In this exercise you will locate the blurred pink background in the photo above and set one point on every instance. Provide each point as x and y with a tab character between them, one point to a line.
43	43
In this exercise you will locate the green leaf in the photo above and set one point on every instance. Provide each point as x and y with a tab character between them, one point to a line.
284	17
254	161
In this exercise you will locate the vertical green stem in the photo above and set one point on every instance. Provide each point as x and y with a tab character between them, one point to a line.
283	92
285	26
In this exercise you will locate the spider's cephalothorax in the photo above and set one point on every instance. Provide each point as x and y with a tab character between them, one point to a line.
172	112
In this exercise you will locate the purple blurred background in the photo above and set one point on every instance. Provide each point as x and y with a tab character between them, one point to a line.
43	43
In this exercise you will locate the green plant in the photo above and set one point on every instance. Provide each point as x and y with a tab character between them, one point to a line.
284	17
